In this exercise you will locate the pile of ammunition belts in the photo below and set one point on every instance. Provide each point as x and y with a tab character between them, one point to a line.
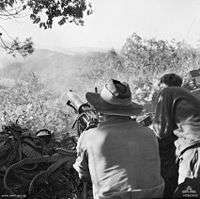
27	169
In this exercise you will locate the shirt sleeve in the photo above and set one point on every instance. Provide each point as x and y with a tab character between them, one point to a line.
81	164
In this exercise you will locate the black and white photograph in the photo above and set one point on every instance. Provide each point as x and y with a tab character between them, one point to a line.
99	99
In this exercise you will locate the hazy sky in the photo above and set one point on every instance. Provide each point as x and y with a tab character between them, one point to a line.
114	20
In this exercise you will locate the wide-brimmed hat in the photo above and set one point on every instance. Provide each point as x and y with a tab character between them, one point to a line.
114	99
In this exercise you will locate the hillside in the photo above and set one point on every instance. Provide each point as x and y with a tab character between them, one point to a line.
139	63
57	70
41	98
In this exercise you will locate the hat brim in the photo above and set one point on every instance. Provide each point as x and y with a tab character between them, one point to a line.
104	107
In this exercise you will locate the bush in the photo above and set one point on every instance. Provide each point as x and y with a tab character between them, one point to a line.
34	106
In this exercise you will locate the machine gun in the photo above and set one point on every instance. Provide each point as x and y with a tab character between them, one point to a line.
146	119
87	117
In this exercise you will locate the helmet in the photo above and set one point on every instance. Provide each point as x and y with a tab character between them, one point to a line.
43	133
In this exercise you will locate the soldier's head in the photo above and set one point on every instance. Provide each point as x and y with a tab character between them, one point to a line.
171	79
44	135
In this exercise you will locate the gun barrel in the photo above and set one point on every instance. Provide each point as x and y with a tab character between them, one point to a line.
74	99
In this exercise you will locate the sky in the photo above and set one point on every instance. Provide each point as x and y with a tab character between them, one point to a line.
115	20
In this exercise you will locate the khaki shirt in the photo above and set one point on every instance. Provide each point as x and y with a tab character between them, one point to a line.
122	158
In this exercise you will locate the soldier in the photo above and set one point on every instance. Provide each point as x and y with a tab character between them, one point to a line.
169	170
177	120
45	136
120	156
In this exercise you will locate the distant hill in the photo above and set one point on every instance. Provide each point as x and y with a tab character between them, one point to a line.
80	50
57	70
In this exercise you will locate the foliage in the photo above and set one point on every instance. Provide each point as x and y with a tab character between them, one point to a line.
16	47
141	62
44	12
35	106
28	163
99	67
153	57
147	60
41	12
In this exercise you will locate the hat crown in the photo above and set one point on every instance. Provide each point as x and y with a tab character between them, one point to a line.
119	89
117	93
